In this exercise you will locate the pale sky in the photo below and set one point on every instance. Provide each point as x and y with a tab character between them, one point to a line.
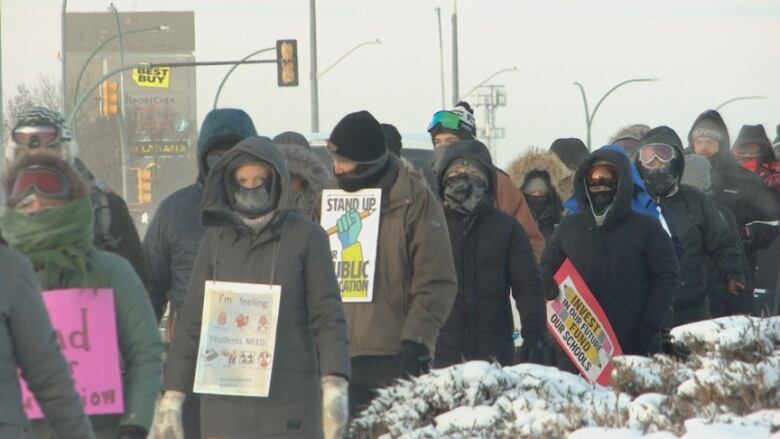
703	52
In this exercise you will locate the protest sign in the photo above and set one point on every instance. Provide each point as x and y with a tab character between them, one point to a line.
237	339
84	323
580	326
351	220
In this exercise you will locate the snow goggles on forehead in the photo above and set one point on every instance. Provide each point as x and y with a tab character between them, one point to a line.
747	149
660	151
36	136
45	181
602	175
446	119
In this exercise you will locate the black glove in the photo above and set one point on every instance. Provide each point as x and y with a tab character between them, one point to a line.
132	432
413	359
648	339
532	350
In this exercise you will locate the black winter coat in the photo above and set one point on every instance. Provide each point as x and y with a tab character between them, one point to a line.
628	262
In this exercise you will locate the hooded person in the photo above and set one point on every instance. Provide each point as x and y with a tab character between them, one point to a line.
40	129
697	174
616	250
254	234
492	256
628	138
414	279
172	238
49	220
308	173
739	190
545	181
448	126
571	151
703	230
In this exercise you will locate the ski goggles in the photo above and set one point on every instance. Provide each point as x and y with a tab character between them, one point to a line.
446	119
36	136
45	181
656	151
747	150
602	175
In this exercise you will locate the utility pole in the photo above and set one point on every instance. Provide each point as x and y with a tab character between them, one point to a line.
2	126
64	58
122	125
314	87
441	58
491	97
455	91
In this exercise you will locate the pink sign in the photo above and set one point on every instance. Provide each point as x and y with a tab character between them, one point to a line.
85	325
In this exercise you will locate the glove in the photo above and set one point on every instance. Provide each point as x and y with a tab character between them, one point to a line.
335	406
734	287
167	418
131	432
648	339
349	226
413	359
532	350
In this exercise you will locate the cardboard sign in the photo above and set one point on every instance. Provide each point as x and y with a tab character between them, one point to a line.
158	77
84	322
580	326
351	220
237	339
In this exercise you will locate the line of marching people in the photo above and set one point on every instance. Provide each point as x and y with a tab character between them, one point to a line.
663	233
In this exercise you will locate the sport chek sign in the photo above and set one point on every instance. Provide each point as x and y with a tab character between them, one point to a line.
157	77
580	327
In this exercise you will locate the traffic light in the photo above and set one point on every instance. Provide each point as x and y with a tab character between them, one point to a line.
287	63
144	186
109	98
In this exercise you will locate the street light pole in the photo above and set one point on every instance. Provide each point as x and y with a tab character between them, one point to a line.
740	98
314	86
455	76
121	107
230	72
366	43
511	69
441	57
63	56
589	116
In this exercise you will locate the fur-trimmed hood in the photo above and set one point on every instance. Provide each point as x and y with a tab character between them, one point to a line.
306	165
538	160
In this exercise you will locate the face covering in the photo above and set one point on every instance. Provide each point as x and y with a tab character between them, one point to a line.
660	182
600	201
254	202
537	204
363	176
463	193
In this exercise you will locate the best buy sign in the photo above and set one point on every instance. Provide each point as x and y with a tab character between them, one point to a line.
157	77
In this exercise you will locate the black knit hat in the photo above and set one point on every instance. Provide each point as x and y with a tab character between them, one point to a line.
392	138
571	151
358	137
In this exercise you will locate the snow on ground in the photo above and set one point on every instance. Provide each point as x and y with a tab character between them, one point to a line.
727	387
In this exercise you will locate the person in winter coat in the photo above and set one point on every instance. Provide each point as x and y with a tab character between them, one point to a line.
739	190
571	151
28	343
546	182
448	126
697	174
414	282
628	138
254	234
40	129
308	173
625	257
754	152
703	230
172	239
49	220
492	254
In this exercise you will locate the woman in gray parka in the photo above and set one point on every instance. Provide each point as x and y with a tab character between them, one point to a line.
254	236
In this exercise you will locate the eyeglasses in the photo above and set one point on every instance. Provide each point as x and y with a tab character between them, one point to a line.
446	119
36	136
43	180
602	175
662	152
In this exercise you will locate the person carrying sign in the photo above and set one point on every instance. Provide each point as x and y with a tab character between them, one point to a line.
492	254
625	257
49	220
254	235
395	334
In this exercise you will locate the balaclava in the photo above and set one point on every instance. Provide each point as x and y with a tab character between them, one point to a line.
466	189
254	202
662	144
536	183
604	176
